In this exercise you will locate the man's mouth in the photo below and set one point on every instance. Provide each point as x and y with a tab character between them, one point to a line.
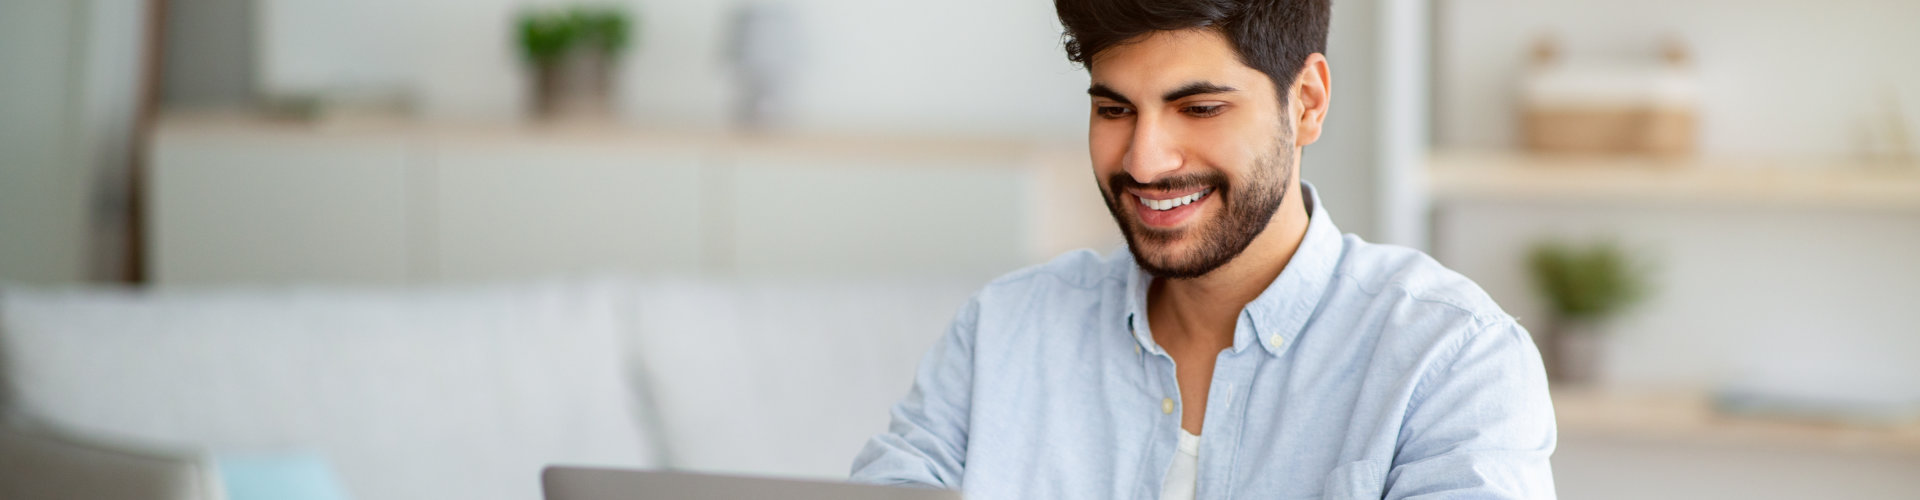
1168	210
1174	202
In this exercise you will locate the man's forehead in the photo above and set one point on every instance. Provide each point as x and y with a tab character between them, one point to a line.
1166	61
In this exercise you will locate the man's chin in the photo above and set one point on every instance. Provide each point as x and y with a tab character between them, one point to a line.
1176	260
1176	238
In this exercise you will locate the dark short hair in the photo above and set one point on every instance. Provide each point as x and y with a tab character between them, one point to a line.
1272	36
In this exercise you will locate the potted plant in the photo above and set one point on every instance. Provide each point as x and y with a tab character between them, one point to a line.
572	53
1585	287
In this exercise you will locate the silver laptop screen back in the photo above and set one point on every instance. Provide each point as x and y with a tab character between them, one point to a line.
586	483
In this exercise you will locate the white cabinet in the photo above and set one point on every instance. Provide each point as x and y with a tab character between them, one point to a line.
240	200
851	215
516	209
270	207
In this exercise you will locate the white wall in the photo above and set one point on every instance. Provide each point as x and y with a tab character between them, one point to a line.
1403	108
1789	77
986	67
68	72
989	67
43	186
308	46
1342	164
41	195
208	52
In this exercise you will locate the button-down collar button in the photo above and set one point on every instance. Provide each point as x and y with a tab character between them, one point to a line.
1166	406
1275	341
1136	348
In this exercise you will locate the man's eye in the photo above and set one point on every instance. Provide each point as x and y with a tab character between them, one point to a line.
1204	111
1112	111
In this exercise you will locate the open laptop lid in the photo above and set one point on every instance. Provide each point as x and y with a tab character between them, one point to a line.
587	483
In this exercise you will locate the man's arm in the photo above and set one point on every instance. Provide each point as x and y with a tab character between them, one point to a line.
1479	424
927	442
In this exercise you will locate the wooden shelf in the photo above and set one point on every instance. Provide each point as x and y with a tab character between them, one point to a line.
1689	417
615	135
1511	176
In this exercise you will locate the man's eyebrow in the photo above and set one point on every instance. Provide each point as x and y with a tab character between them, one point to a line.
1098	90
1194	89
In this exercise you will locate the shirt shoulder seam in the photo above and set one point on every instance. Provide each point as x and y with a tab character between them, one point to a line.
1478	322
1478	316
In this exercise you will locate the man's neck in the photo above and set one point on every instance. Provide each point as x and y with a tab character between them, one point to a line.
1204	309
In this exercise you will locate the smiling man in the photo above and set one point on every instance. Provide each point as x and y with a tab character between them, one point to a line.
1241	346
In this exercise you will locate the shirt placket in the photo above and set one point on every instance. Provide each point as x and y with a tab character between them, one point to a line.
1226	417
1158	367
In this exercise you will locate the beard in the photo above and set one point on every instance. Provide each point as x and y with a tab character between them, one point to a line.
1245	209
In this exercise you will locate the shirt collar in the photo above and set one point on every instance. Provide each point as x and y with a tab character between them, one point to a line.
1277	316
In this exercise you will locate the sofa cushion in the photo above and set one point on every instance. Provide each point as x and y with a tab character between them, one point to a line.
449	393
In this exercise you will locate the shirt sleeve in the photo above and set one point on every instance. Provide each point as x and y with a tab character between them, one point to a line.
926	443
1480	426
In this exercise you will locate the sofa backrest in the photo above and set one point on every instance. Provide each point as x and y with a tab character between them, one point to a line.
783	377
416	394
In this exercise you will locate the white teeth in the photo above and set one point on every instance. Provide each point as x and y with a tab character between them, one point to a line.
1169	204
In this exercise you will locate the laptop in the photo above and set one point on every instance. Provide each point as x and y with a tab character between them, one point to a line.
588	483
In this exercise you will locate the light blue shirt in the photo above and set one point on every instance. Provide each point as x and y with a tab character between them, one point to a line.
1363	371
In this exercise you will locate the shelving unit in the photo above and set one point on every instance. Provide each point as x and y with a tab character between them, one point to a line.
1514	176
1689	417
1488	206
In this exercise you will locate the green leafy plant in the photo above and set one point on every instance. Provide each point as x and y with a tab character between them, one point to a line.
1586	282
605	28
547	35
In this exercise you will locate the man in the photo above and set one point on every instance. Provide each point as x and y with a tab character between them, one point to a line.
1241	347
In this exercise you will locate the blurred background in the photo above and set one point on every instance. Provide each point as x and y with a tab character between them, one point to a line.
418	249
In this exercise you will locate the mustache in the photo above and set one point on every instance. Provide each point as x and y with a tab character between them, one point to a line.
1120	182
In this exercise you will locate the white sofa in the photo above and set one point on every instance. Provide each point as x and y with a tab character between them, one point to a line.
455	392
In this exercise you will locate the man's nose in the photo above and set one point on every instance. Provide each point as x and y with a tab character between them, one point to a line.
1152	152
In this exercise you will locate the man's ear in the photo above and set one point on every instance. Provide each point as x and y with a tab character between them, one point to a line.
1311	94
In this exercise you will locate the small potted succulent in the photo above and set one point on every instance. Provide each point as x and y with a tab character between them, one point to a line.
1585	287
572	53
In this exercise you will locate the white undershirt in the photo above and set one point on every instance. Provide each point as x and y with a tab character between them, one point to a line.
1183	476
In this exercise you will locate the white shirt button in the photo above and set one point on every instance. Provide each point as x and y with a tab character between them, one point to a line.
1166	406
1274	340
1136	348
